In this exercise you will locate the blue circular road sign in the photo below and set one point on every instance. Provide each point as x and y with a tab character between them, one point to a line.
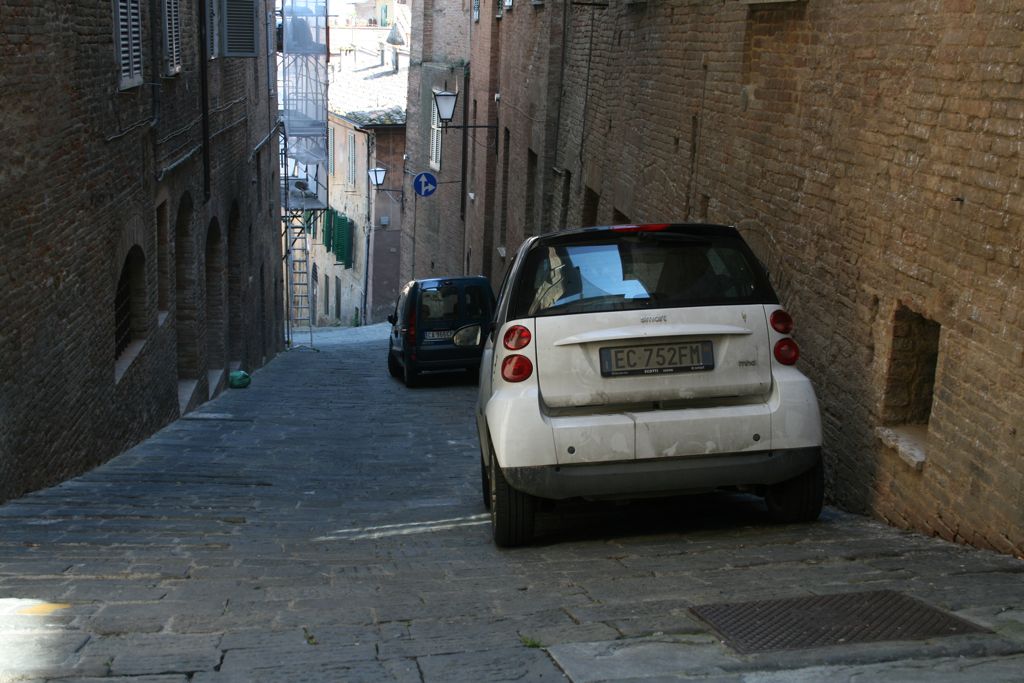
424	184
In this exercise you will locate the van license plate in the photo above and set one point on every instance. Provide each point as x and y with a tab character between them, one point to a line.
438	335
657	359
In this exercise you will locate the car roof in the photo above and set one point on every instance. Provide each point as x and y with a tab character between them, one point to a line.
695	229
470	279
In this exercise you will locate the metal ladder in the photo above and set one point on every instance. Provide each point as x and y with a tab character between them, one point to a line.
300	311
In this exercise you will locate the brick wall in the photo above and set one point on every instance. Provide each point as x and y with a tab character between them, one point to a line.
871	153
388	151
90	173
433	228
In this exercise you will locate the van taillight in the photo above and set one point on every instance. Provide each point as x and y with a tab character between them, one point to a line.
517	337
516	368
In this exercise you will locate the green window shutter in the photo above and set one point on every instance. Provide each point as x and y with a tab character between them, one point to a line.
336	241
343	240
348	242
328	228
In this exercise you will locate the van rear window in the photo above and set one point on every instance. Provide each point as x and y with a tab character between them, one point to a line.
440	303
477	301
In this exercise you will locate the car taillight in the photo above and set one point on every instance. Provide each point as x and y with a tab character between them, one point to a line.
786	351
781	321
516	368
649	227
517	337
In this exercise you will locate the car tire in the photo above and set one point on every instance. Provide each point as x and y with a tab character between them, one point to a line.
409	374
798	499
512	511
394	369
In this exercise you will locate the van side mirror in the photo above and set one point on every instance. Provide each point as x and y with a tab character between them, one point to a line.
467	336
392	319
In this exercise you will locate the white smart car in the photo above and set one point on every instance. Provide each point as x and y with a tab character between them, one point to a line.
639	360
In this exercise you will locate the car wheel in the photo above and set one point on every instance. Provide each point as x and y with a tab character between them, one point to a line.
393	367
409	374
798	499
512	511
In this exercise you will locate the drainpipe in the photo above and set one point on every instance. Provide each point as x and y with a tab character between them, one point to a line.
369	228
204	86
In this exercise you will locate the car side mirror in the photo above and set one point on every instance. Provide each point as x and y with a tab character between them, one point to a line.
467	336
392	319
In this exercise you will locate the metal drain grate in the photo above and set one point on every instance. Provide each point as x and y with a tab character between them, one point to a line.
822	620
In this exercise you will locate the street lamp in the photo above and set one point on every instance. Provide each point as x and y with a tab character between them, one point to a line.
377	176
445	101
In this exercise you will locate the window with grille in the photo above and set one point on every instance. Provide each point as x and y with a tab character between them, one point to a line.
351	158
239	28
172	37
129	42
435	137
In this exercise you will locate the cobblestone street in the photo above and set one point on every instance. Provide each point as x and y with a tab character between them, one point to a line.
326	524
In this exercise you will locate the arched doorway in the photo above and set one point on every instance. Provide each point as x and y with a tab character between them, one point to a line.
130	302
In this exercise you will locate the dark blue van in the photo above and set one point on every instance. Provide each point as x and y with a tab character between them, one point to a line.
428	315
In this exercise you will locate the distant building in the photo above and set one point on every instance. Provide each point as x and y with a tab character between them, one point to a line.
357	260
435	239
142	248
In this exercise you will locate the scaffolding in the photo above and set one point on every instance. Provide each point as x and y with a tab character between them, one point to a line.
302	88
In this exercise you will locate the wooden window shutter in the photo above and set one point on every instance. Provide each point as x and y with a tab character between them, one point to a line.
240	28
435	137
129	42
342	246
351	158
330	150
172	37
212	28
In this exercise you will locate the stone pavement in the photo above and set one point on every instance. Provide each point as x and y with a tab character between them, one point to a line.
325	524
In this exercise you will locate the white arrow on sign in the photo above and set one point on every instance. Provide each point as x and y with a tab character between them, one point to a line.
425	184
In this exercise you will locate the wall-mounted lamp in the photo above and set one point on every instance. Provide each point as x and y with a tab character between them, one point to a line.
377	176
445	103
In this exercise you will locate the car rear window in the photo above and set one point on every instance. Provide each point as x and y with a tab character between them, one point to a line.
607	271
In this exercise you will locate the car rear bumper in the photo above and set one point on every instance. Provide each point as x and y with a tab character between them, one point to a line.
446	359
523	436
691	474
